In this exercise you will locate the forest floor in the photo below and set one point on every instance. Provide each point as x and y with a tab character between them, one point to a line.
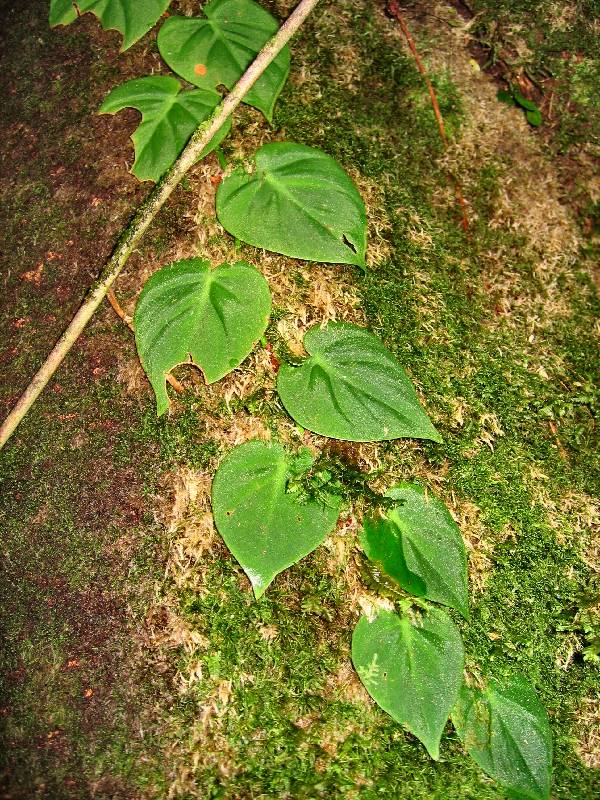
135	662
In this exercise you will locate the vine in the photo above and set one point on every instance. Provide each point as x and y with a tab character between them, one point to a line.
111	13
273	507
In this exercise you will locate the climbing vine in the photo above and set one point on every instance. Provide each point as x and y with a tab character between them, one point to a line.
271	506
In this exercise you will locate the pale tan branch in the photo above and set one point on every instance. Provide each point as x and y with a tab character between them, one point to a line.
147	212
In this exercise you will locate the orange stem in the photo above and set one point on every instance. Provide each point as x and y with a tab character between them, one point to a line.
561	449
118	309
395	10
175	383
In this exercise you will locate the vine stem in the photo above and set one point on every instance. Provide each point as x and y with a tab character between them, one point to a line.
395	10
141	220
126	320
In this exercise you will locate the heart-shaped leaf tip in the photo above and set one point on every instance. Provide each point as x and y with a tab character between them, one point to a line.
188	313
169	117
412	667
418	544
132	18
505	729
351	387
298	201
216	49
266	527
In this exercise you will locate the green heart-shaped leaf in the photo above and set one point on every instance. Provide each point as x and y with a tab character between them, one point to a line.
131	18
534	117
217	50
418	544
412	668
62	12
352	388
297	201
505	729
188	313
266	527
524	102
169	117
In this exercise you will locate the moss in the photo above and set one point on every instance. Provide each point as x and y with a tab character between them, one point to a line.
552	47
268	703
72	588
532	575
281	656
168	440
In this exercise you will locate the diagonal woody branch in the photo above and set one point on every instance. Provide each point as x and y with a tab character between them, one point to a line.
148	210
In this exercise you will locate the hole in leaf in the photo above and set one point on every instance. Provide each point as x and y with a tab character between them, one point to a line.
349	244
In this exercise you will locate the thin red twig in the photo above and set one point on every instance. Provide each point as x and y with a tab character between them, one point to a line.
118	309
395	10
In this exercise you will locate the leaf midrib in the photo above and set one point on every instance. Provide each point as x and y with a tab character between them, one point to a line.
356	388
269	177
278	489
219	34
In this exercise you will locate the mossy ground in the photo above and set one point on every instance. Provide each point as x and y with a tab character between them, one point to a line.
116	582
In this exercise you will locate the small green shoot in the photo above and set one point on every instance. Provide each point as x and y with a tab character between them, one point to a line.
513	97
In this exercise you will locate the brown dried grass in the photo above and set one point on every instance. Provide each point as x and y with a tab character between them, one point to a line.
529	198
588	728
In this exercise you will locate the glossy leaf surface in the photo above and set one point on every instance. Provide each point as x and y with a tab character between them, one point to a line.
529	105
62	12
412	668
217	49
266	528
188	313
505	729
418	544
132	18
297	201
351	387
169	117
